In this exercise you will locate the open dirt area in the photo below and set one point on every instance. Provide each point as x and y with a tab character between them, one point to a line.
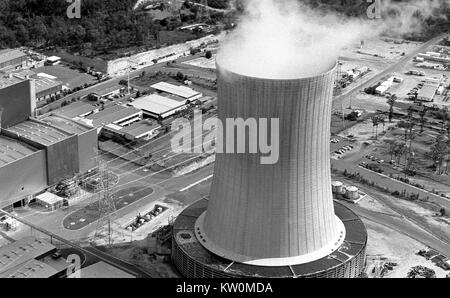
372	204
401	251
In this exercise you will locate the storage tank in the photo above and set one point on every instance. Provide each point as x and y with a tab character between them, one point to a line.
352	193
338	188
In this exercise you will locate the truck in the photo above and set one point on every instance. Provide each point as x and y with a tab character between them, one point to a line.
416	73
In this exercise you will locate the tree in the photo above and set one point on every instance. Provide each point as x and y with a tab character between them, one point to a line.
180	76
438	152
423	120
442	211
391	102
376	122
208	55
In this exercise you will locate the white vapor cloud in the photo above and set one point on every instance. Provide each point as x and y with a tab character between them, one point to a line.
285	39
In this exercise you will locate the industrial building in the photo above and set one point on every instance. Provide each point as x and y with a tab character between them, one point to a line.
53	60
427	92
115	114
22	171
159	107
433	56
276	220
12	59
47	88
144	129
36	154
30	257
68	150
45	85
186	93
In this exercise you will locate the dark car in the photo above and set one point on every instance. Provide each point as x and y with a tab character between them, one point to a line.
56	255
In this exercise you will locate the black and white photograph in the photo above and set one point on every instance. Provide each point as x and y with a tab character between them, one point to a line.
222	147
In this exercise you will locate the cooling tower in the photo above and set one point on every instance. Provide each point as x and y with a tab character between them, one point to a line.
275	219
281	213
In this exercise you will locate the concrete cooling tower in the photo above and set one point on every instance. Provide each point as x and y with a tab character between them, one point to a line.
272	220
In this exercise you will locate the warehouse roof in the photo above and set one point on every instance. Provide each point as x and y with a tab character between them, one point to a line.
23	250
140	128
65	124
10	54
43	84
427	92
12	150
38	132
30	269
112	114
157	104
7	81
182	91
76	109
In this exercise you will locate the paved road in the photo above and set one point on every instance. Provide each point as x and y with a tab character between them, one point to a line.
393	185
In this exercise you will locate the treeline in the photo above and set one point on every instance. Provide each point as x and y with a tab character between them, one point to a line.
104	24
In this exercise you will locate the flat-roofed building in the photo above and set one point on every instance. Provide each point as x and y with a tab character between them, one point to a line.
12	58
22	171
87	140
52	60
117	114
64	157
46	85
77	109
427	92
139	130
157	106
23	250
181	91
30	257
46	88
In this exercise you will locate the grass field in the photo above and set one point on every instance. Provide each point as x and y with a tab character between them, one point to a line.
89	214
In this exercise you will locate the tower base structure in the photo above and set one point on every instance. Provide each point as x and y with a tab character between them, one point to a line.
193	260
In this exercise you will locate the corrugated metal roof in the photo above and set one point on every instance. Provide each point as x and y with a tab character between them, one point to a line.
23	250
112	114
67	125
181	91
157	104
38	132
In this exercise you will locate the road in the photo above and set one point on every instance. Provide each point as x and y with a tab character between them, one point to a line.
392	184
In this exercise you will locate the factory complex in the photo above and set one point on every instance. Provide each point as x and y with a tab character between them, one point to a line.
38	153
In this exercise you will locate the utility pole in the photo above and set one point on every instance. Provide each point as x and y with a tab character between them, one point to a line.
106	205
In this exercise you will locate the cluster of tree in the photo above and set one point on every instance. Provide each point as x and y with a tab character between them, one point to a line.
104	24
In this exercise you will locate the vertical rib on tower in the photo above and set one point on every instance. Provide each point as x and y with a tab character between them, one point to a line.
280	214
